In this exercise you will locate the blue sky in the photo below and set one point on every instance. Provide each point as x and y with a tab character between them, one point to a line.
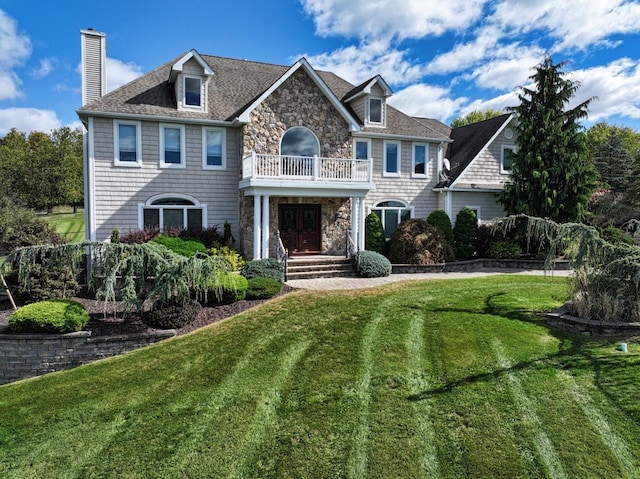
442	59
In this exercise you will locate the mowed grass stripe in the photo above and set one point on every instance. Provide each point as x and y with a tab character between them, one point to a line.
357	461
265	417
616	444
418	383
544	447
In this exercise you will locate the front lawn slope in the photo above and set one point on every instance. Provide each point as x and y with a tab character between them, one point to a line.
449	378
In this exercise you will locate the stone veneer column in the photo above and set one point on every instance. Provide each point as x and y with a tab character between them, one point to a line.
265	226
256	226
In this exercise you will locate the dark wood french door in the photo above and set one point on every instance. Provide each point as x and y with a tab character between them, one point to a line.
300	228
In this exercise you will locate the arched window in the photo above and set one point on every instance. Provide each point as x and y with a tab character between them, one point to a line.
299	141
391	213
172	211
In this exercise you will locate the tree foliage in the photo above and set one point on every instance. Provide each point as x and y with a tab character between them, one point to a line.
374	239
465	233
552	173
475	116
42	170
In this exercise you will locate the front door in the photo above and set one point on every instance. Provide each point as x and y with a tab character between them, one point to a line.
300	228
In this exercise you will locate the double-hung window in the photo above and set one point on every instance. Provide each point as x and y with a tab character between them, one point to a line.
361	149
375	110
127	145
420	161
172	139
214	155
506	163
193	92
391	158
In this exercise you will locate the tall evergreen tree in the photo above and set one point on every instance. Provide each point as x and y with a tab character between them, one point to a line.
553	175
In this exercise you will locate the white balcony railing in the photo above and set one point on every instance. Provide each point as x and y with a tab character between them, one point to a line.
306	168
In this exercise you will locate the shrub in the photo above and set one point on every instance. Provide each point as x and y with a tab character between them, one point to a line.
172	315
617	236
55	316
263	288
226	288
207	236
504	250
230	254
139	236
373	265
417	242
20	227
264	268
184	247
50	281
465	233
374	239
440	218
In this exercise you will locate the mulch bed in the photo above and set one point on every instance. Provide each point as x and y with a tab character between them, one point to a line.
110	324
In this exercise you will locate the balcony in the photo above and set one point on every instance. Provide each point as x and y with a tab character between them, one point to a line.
302	172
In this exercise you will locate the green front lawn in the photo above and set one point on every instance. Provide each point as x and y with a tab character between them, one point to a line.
449	378
68	224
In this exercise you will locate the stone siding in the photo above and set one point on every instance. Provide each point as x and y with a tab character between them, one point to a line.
27	355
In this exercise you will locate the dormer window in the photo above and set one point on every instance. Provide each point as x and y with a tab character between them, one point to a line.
193	92
375	110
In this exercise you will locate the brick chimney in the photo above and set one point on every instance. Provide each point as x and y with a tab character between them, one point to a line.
94	65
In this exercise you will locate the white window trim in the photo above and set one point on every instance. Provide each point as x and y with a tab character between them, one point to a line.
205	166
202	106
426	160
395	208
391	174
173	126
362	140
116	144
503	171
300	127
149	205
382	111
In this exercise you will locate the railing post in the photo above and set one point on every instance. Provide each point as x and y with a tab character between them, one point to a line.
254	168
315	167
370	168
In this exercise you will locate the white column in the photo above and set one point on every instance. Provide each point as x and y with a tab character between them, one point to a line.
265	226
354	220
256	227
361	225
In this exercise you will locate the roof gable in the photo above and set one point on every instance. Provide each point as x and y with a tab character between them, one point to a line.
178	66
366	87
304	64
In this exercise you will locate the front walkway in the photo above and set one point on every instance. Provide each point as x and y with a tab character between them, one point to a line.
359	283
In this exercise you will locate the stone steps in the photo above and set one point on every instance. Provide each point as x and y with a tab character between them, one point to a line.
320	267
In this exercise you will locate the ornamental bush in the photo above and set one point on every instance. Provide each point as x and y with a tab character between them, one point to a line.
504	250
374	239
264	268
263	288
440	218
54	316
417	242
373	265
465	233
230	254
172	315
226	288
181	246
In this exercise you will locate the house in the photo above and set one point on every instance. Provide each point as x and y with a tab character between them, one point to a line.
283	153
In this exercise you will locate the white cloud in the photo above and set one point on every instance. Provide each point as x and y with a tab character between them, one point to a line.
427	101
28	119
119	73
507	67
45	66
357	64
386	19
15	48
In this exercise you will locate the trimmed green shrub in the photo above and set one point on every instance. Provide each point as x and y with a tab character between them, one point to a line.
374	239
504	250
417	242
227	288
172	316
465	233
263	288
264	268
230	254
617	236
55	316
373	265
181	246
440	218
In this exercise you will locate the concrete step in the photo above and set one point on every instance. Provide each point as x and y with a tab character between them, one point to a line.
320	274
319	267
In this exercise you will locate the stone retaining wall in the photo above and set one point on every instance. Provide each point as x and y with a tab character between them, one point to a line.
589	327
27	355
475	265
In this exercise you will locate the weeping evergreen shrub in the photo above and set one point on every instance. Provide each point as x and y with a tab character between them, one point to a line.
374	239
465	234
